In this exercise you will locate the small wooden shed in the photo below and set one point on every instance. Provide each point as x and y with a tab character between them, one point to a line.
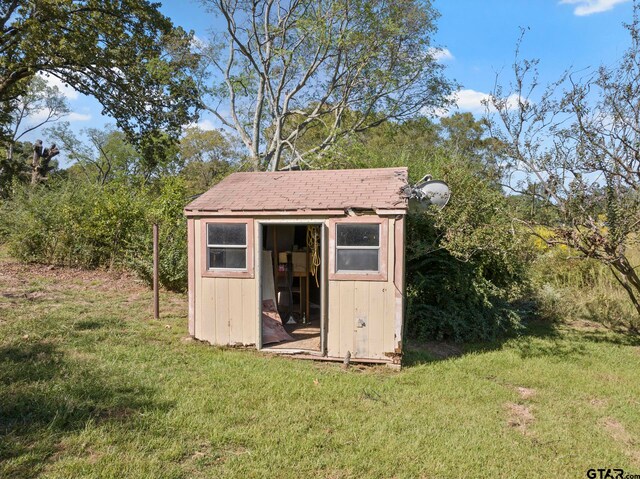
307	263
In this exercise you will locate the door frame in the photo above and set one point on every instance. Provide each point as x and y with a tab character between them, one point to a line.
258	232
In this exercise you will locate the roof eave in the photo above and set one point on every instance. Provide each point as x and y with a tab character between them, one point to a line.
301	212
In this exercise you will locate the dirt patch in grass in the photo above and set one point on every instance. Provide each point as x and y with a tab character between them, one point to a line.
116	413
609	378
617	431
598	403
526	393
14	293
132	298
519	417
80	355
619	434
206	457
93	456
12	297
13	273
585	325
230	451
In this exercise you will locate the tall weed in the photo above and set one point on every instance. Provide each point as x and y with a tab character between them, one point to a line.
569	288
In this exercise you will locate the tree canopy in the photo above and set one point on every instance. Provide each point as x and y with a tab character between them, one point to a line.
288	67
124	53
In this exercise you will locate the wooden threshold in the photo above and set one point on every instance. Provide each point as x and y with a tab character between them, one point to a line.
318	356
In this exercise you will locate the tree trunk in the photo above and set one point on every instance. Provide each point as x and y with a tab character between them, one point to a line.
630	281
35	167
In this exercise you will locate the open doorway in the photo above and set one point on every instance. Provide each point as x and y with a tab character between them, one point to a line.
291	285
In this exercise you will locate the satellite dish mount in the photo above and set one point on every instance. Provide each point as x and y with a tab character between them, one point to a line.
429	192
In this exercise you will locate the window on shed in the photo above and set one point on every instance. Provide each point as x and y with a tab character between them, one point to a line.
227	246
358	247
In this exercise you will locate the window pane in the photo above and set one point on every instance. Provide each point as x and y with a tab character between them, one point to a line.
363	234
235	258
357	259
227	233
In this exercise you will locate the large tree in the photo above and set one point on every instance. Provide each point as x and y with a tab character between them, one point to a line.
124	53
291	66
575	147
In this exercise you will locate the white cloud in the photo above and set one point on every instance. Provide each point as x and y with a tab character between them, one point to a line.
68	92
198	43
587	7
441	54
474	102
73	116
205	125
471	100
38	116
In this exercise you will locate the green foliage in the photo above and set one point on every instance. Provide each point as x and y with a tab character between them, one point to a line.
15	167
78	224
90	225
452	300
100	214
205	156
166	202
466	264
126	54
104	155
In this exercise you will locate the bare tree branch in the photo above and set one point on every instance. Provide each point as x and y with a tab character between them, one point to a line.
294	65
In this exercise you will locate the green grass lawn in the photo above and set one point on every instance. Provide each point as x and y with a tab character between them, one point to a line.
90	386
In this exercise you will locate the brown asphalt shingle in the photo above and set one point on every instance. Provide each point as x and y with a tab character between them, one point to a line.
379	188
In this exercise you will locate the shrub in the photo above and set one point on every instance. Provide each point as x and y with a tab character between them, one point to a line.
452	298
72	224
466	264
166	203
89	225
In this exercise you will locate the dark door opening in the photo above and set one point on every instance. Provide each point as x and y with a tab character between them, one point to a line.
291	286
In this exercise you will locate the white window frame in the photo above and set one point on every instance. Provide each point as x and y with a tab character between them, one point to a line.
245	246
383	249
205	268
377	248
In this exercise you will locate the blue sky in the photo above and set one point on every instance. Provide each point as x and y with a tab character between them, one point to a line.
481	37
478	37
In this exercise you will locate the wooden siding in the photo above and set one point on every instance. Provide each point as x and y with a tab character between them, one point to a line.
225	310
191	274
362	314
363	317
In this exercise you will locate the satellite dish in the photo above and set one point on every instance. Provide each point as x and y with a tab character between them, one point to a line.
428	192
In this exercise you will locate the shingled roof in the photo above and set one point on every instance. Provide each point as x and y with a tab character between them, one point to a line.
315	190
